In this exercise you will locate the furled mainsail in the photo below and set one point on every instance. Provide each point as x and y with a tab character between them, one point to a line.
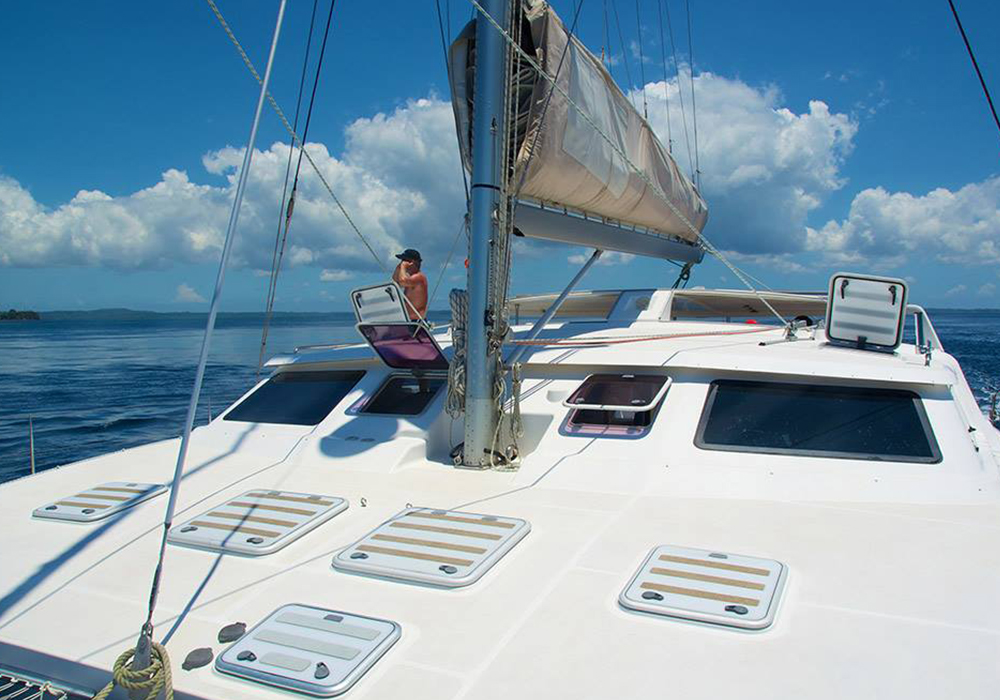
574	166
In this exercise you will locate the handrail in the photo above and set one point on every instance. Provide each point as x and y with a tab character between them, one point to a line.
927	337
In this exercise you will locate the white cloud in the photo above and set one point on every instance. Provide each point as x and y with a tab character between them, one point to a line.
960	227
335	275
187	294
608	257
956	290
764	167
398	177
987	290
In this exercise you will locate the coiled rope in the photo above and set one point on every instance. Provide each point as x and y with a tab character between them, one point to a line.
151	680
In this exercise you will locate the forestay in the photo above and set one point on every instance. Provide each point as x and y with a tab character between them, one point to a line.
574	166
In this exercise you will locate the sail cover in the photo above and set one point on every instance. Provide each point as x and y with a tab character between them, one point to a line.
574	166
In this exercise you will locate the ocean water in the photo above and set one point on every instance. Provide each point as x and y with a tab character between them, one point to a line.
96	386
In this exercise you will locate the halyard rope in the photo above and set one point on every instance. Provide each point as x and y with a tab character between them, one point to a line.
152	680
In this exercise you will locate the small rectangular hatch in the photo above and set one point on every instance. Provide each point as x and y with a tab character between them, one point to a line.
257	522
866	311
99	502
404	346
437	547
309	650
706	586
382	303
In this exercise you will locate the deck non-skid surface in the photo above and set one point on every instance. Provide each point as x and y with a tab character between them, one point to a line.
437	547
257	522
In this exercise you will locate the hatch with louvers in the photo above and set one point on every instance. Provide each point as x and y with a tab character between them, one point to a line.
257	522
439	547
99	502
707	586
309	650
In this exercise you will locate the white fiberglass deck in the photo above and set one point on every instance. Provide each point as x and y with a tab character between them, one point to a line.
870	545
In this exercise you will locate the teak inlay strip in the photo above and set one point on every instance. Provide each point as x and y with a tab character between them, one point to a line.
695	593
430	543
264	506
102	497
294	499
120	488
235	528
460	519
715	565
413	555
446	530
253	519
705	577
82	505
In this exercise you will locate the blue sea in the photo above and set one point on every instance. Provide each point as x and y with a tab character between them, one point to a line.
94	386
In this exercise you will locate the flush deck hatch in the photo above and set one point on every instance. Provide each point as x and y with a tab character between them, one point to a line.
99	502
438	547
309	650
257	522
706	586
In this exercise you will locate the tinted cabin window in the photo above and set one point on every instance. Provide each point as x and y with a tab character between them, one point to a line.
858	423
616	400
295	398
404	396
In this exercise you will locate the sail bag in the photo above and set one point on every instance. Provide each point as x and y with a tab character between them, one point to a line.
574	166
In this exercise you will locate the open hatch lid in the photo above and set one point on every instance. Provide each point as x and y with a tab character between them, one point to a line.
634	393
404	346
382	303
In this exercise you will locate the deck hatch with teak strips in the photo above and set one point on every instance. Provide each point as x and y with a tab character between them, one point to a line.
257	522
309	650
706	586
437	547
99	502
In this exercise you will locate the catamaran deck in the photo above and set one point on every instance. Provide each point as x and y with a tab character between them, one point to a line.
892	568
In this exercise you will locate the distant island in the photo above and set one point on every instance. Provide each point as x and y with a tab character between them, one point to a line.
15	315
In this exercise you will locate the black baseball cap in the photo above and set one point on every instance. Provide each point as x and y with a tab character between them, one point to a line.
410	255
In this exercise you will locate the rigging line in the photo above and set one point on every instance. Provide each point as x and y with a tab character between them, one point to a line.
295	184
295	137
607	40
680	92
447	68
653	187
269	300
666	91
447	262
694	106
642	61
621	42
975	64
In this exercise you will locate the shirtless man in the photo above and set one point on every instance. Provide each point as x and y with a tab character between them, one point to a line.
408	276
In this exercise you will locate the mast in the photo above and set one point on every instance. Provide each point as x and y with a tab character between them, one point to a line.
487	159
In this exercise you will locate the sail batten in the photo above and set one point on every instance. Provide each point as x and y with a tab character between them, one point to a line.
574	165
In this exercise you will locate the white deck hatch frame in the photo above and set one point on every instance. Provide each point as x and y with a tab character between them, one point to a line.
309	650
866	311
99	502
445	548
257	522
706	586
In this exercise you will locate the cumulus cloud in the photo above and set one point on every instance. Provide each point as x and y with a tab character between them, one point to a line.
187	294
953	227
398	177
608	257
335	275
956	290
987	290
764	167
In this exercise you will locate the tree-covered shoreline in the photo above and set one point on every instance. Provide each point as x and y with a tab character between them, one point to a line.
15	315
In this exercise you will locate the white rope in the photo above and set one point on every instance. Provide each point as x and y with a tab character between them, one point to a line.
455	402
654	188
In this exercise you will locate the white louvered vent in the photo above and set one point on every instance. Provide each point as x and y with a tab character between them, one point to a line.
257	522
309	650
99	502
716	587
438	547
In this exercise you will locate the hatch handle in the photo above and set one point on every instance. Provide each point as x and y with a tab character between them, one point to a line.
892	292
843	287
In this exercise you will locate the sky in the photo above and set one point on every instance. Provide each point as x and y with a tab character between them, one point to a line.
831	136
